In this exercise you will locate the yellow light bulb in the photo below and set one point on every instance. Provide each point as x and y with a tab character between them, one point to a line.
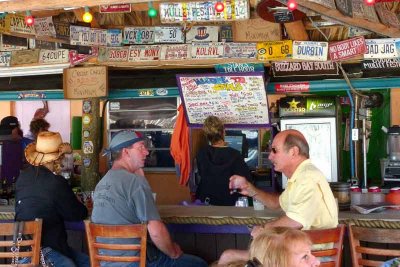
87	17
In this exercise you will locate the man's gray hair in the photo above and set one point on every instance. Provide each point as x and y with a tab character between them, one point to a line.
292	140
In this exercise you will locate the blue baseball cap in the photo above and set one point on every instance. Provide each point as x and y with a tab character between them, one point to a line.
123	139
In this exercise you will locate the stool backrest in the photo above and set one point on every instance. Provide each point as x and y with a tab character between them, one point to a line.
333	238
368	246
96	231
29	246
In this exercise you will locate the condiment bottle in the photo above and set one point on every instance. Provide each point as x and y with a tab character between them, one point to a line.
375	195
355	195
393	197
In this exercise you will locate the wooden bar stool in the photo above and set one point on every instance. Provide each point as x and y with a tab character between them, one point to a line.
28	247
95	231
333	235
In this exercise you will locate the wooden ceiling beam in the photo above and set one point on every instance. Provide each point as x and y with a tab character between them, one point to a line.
23	5
378	28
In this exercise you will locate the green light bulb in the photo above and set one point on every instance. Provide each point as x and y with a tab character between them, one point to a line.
152	12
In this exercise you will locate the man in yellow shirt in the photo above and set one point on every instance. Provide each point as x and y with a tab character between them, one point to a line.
307	201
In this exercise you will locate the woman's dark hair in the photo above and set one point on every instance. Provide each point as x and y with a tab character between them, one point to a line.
213	129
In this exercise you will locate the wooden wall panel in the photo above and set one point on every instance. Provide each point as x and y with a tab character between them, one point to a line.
395	106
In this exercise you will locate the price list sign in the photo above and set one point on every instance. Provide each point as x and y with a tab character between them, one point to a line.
238	99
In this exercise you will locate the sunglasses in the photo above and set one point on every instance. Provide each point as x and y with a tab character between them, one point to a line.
253	263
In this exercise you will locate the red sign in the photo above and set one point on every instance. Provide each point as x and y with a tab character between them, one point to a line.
75	58
292	87
347	49
118	8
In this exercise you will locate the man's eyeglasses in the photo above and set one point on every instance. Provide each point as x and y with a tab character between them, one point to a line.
253	263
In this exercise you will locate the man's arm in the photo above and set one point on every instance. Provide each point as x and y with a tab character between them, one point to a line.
161	238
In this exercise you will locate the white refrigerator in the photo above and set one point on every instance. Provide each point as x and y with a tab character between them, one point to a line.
320	133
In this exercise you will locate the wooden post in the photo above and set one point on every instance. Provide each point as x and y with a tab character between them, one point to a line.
90	143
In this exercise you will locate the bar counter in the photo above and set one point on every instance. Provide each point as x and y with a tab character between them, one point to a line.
218	215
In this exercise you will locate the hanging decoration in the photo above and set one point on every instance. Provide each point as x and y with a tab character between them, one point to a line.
292	5
29	20
152	12
219	6
87	16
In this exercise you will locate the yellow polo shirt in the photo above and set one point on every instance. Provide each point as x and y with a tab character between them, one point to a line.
308	199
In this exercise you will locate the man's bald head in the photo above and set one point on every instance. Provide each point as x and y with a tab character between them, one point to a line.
295	138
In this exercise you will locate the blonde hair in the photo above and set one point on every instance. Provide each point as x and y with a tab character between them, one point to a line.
213	129
272	247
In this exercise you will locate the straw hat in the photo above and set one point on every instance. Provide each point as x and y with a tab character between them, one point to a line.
48	147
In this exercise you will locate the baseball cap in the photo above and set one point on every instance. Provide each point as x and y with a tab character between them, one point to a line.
123	139
10	122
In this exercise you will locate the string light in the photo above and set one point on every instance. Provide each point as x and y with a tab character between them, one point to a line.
87	17
219	7
3	15
152	12
369	2
29	20
292	5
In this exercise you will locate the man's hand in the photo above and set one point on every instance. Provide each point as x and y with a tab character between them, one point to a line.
240	183
178	251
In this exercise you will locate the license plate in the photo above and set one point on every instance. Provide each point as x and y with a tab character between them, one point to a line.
381	48
274	50
240	50
314	51
207	50
45	26
175	52
114	37
139	35
5	58
169	35
79	35
53	56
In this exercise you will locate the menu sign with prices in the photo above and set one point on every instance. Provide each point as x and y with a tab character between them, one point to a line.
16	24
305	68
207	50
53	56
117	8
45	27
274	50
381	48
5	58
79	35
171	12
307	50
235	98
240	50
169	35
202	34
175	52
138	35
347	49
113	54
114	37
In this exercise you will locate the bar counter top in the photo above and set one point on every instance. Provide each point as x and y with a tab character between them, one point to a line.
218	215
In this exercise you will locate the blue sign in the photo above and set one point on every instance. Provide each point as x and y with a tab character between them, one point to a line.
239	67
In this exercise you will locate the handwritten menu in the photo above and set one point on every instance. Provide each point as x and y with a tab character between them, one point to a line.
237	99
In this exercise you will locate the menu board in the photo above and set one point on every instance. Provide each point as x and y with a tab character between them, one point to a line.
238	99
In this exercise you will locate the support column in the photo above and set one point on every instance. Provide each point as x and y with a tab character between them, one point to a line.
90	143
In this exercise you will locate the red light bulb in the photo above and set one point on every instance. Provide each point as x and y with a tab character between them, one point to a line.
219	7
29	20
369	2
292	5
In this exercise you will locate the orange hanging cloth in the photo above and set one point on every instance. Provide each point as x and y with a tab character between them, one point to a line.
180	147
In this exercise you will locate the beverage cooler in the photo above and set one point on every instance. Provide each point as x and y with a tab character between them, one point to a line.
316	119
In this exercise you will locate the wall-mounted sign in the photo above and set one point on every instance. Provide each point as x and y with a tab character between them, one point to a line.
381	48
113	54
53	56
295	87
240	50
150	52
225	33
62	30
380	64
117	8
5	58
239	67
138	35
79	35
75	57
45	27
207	50
347	49
114	37
169	35
23	57
16	24
175	52
307	50
304	68
256	30
85	82
146	92
202	34
274	50
171	12
238	99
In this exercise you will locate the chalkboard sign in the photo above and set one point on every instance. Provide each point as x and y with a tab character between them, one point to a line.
238	99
